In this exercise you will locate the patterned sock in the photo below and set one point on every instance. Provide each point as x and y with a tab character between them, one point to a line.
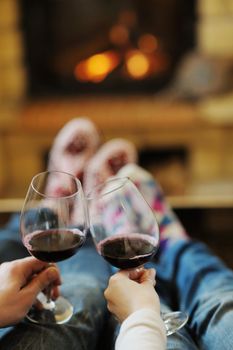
170	227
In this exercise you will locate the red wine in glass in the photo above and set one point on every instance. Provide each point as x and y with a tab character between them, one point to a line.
128	251
54	244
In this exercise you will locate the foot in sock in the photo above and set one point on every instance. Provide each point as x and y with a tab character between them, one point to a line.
170	227
72	148
110	158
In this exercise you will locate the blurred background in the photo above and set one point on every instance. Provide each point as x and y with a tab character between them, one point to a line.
156	72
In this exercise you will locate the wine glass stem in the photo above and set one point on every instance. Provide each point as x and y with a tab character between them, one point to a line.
48	293
135	270
46	300
49	304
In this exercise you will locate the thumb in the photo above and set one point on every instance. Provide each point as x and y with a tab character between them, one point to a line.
43	280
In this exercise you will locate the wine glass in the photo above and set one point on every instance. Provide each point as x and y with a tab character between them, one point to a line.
51	233
125	231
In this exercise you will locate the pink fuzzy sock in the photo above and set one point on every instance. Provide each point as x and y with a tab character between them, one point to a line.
72	148
110	158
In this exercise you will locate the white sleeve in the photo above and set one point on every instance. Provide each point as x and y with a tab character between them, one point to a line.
144	329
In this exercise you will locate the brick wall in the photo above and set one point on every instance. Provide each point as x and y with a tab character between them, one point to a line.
215	27
12	70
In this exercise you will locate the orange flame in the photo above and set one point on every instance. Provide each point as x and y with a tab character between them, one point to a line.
147	43
137	64
96	68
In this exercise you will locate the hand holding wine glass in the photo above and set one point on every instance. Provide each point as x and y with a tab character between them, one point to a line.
21	281
48	235
125	231
125	283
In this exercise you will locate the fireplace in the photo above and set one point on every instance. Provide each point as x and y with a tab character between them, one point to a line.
75	46
77	52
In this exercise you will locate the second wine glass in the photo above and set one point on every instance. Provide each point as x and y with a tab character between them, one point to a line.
51	233
125	231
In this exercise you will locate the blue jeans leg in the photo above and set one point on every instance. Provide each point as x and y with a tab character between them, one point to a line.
191	278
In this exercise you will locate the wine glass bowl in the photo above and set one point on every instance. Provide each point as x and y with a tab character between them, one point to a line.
125	231
51	232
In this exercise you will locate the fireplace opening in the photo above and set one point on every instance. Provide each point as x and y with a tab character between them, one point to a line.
77	46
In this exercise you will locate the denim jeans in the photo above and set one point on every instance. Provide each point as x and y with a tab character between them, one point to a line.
189	278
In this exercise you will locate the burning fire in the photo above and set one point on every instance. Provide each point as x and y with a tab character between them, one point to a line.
96	68
139	59
148	43
137	64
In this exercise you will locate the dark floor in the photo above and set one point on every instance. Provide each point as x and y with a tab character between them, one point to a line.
212	226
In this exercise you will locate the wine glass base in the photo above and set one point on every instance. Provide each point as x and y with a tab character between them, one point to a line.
174	321
61	313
